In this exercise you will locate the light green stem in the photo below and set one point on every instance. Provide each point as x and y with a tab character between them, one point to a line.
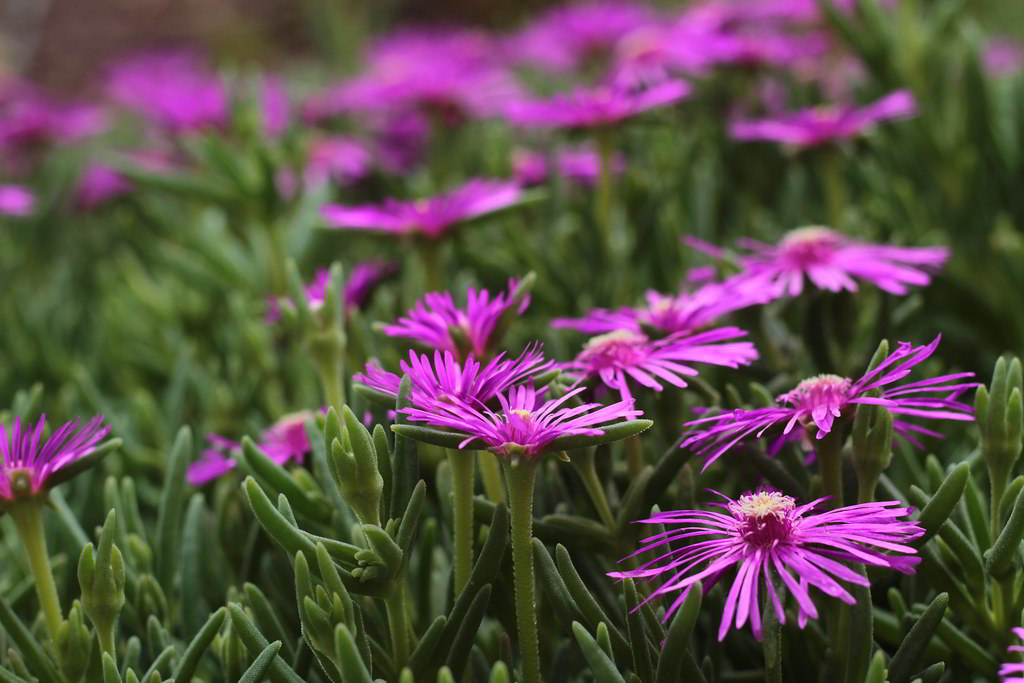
999	483
462	468
592	483
520	477
830	457
329	367
604	197
28	518
835	187
430	256
866	490
398	625
490	472
105	634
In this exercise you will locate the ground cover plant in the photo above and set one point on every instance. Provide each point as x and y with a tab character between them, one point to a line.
626	343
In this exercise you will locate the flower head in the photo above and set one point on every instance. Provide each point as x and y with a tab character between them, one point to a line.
820	125
833	261
436	321
29	460
578	35
362	279
526	423
431	217
1013	671
581	165
337	158
173	90
589	108
16	200
625	354
686	312
284	441
447	380
816	403
776	544
98	184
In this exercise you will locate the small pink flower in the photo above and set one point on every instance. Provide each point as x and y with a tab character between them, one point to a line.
777	546
589	108
99	184
622	356
362	279
821	125
16	200
833	262
431	217
29	459
816	403
581	165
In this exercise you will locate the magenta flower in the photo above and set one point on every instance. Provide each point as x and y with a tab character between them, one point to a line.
778	545
339	159
173	90
590	108
581	165
437	322
833	262
578	35
284	441
430	218
362	279
16	200
820	125
623	355
1013	672
29	460
447	380
99	184
685	312
816	403
526	423
30	120
1003	56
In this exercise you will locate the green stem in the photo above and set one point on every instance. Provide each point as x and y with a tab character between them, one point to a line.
520	476
462	468
866	490
835	187
998	482
429	255
830	457
398	625
771	645
329	368
105	634
28	518
490	472
584	465
604	197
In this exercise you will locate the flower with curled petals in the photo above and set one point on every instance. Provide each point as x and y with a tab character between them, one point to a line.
29	460
777	546
816	403
624	355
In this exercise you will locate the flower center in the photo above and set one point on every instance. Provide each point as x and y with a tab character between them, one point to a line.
764	516
818	391
21	480
621	347
526	415
810	246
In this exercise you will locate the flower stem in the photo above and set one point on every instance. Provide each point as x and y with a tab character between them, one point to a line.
520	476
998	492
28	518
771	645
329	368
105	634
429	255
830	455
398	624
490	472
866	490
462	468
584	465
835	187
604	197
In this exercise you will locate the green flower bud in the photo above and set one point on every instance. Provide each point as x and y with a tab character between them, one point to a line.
101	577
872	446
354	465
73	643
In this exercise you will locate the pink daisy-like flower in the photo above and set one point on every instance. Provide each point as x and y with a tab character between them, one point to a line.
29	460
526	423
590	108
284	441
362	279
437	322
430	218
1013	672
833	262
174	90
339	159
16	200
447	380
820	125
816	403
578	34
685	312
777	545
580	165
623	355
99	184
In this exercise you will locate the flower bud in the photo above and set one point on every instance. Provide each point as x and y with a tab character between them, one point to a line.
101	577
73	643
354	465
